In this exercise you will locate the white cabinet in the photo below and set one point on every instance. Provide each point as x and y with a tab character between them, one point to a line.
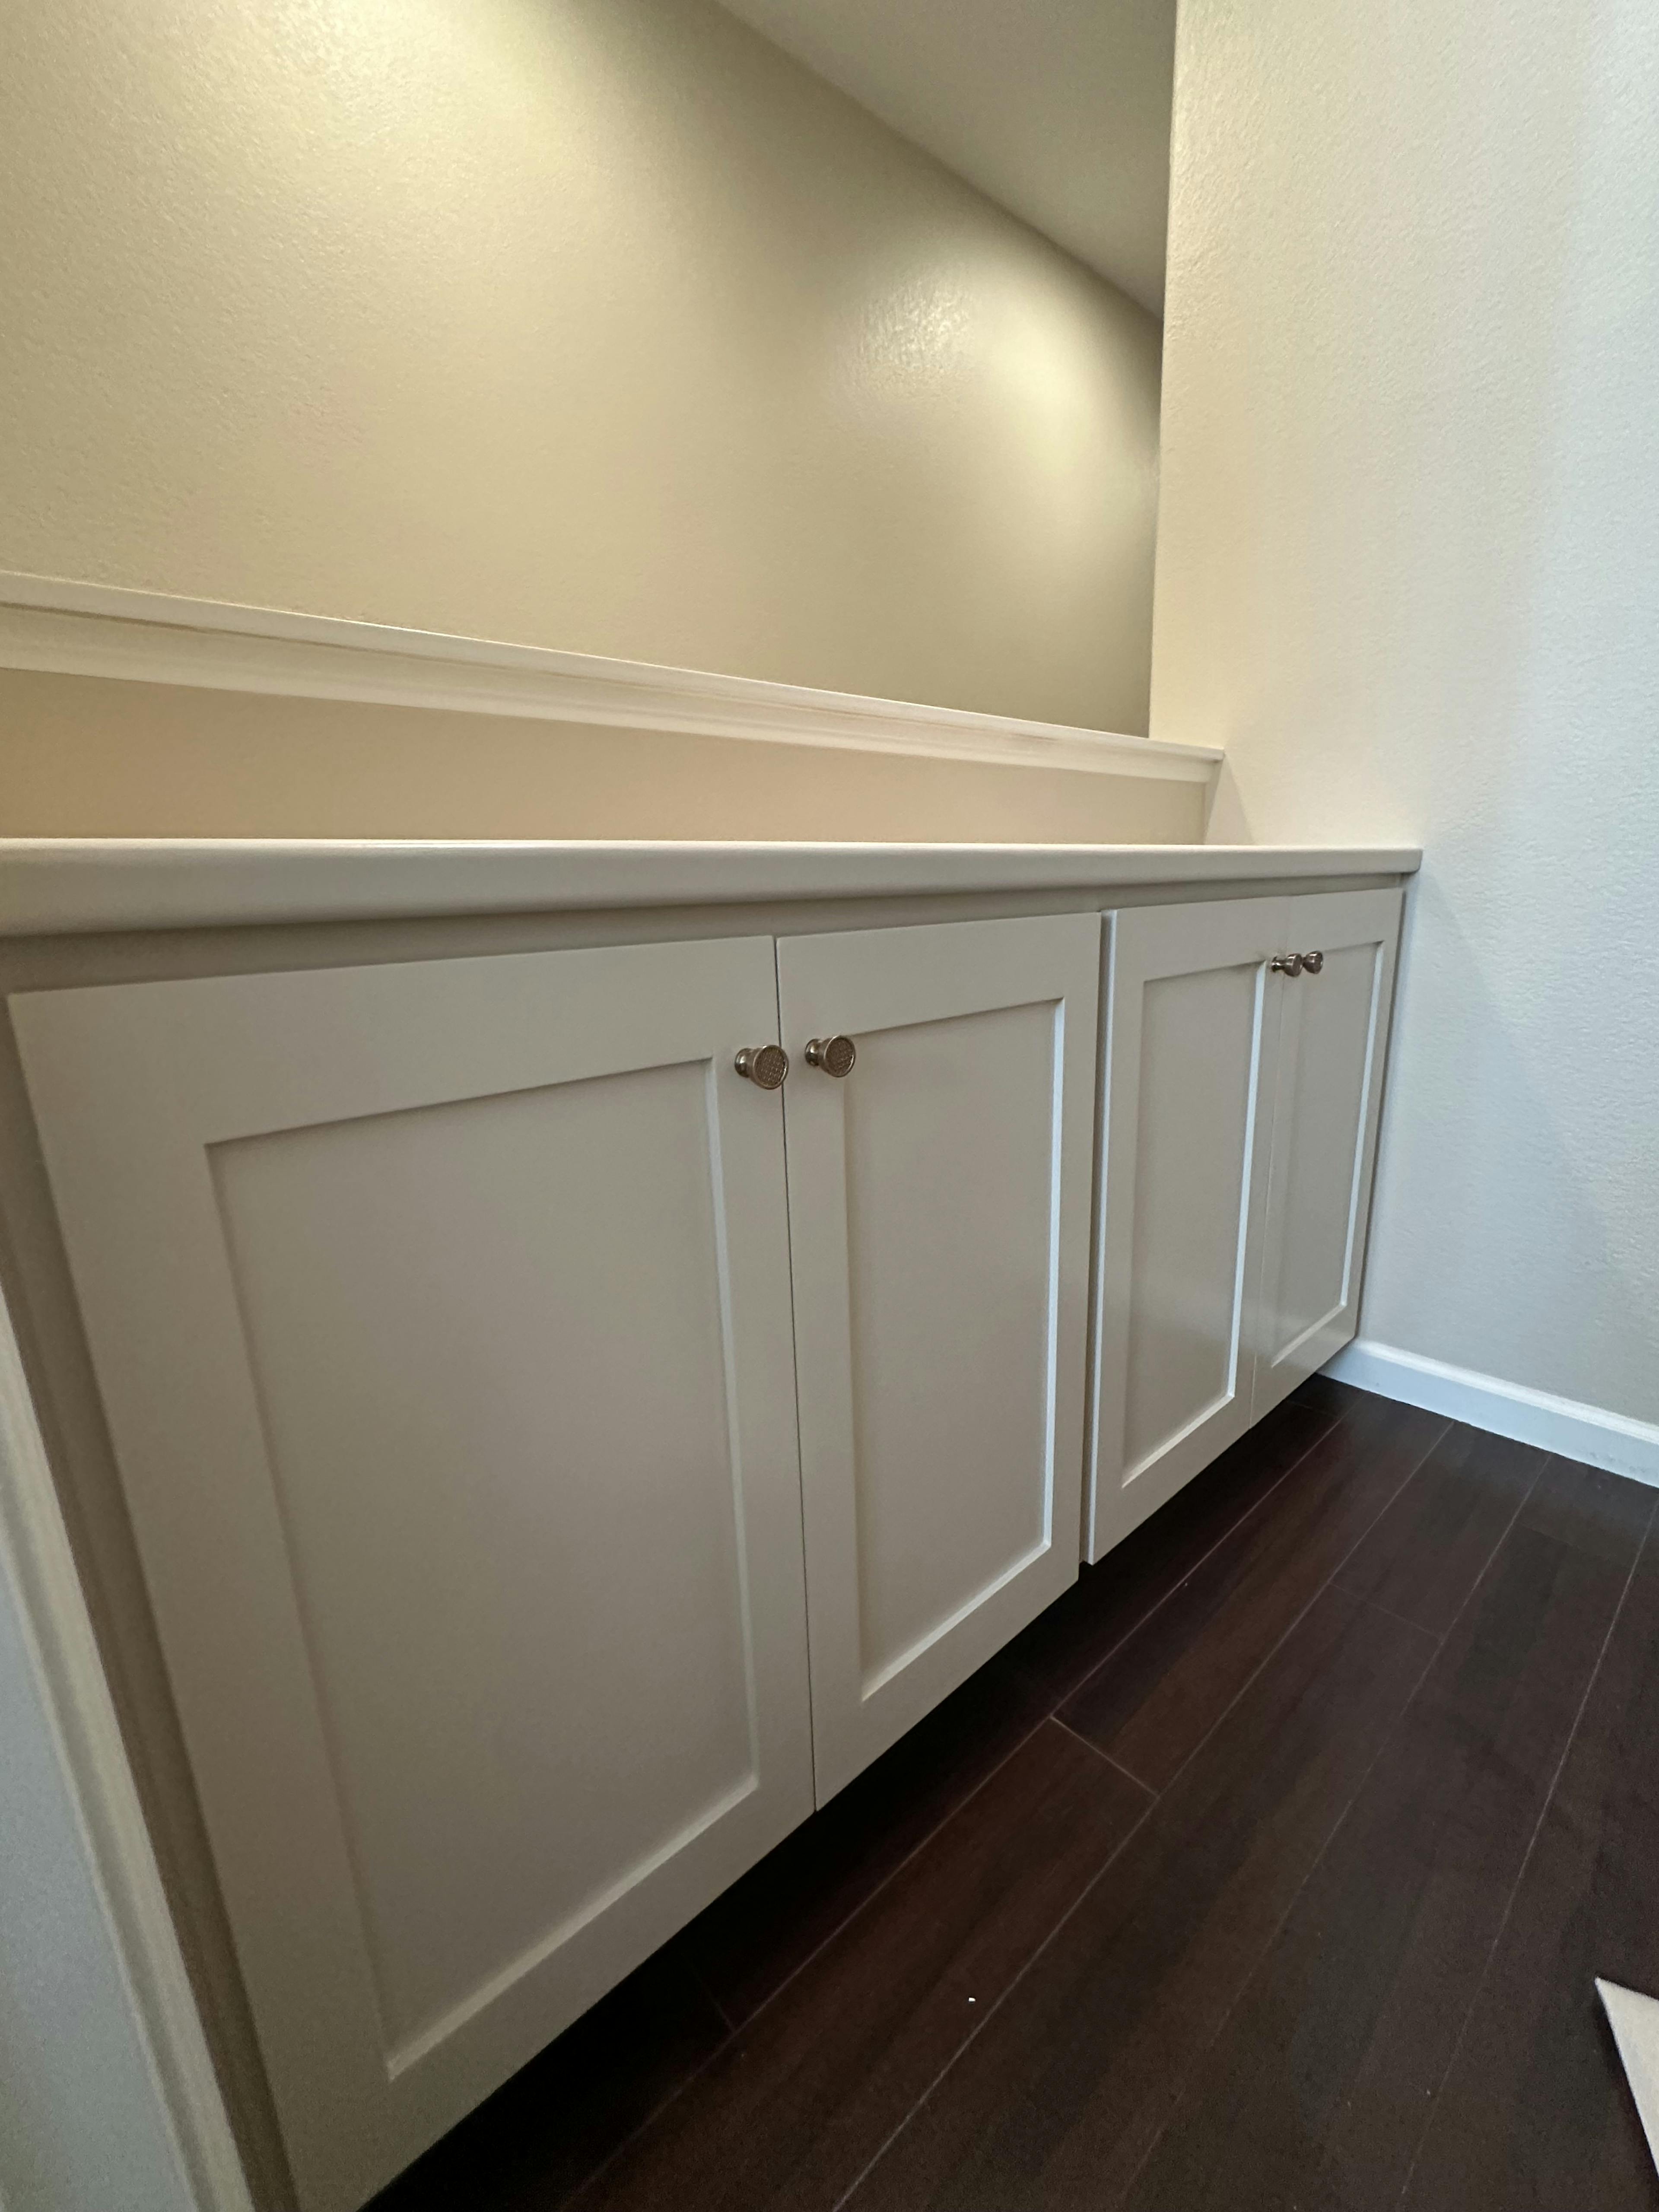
939	1215
507	1396
441	1314
1240	1127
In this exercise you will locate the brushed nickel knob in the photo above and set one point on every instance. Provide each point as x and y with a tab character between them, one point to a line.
765	1065
1312	963
835	1055
1285	963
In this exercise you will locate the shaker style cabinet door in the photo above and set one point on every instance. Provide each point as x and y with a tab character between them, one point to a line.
939	1215
440	1312
1333	1039
1193	1009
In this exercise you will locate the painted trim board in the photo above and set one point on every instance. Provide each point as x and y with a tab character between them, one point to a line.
56	626
1565	1425
55	885
35	1558
1634	2020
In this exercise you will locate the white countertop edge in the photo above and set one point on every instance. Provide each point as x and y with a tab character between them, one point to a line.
55	886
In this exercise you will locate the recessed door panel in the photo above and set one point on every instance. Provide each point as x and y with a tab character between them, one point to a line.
489	1495
950	1243
441	1315
1328	1093
1198	1036
938	1220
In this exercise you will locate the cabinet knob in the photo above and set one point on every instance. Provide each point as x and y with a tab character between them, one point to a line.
765	1065
835	1055
1312	963
1287	963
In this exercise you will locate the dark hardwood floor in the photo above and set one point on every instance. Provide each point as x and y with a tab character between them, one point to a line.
1270	1868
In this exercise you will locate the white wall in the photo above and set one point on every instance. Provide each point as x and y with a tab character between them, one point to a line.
83	2125
1408	573
592	323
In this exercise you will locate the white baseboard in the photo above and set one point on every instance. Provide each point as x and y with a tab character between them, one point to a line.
1588	1433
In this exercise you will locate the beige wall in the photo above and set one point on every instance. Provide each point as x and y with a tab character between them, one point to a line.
595	323
85	756
1407	572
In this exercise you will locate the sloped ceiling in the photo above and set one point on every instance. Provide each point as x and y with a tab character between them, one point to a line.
1060	109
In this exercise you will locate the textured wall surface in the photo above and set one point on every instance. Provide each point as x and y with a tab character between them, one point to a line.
82	2126
596	324
1408	572
84	756
1060	111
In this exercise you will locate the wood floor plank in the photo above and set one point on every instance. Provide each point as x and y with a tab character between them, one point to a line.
1324	1394
1057	2100
1159	1694
1315	2093
788	2114
1536	2112
1108	1599
752	1938
1426	1552
555	2124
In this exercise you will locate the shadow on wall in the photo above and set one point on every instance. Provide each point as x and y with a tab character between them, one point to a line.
1530	1273
1408	556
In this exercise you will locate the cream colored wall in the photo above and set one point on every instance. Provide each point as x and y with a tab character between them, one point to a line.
1407	572
87	756
596	324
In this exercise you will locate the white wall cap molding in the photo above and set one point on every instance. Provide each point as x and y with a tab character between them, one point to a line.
53	625
1589	1433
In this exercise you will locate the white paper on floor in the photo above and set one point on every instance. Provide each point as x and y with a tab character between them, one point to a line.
1635	2020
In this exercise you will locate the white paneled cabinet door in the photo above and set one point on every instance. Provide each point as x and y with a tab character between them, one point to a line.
1192	1013
1333	1040
939	1226
442	1315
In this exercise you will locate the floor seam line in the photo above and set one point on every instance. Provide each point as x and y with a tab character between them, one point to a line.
1487	1565
1176	1589
1532	1841
1116	1764
1388	1613
893	1872
1265	1952
967	2043
1392	1499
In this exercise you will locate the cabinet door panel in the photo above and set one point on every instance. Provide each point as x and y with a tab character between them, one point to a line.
1192	1014
939	1218
442	1315
1333	1041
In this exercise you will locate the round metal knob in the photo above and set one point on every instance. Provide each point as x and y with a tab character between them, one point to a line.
835	1055
765	1065
1285	963
1312	963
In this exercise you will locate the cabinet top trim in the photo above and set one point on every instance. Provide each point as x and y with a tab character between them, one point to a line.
55	625
52	886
